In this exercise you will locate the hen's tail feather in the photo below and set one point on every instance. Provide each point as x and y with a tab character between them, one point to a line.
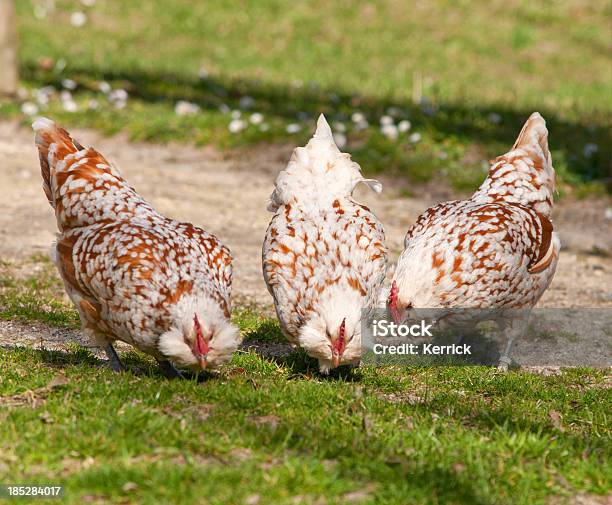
318	173
81	186
524	175
534	135
54	144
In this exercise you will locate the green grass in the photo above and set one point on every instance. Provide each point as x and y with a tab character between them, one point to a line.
466	74
32	291
277	430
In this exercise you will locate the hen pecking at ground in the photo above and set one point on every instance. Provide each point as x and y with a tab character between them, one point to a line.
134	275
495	250
324	257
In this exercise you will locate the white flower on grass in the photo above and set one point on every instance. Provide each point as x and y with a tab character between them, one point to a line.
237	125
185	108
389	131
357	117
105	87
49	90
29	108
256	118
589	149
264	127
362	125
42	99
340	140
246	102
118	98
415	137
65	96
339	126
404	125
236	114
293	128
92	104
494	118
22	93
78	19
203	73
119	95
43	95
70	106
69	84
224	109
386	120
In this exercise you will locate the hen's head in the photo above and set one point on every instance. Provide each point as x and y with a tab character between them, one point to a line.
201	338
397	306
332	333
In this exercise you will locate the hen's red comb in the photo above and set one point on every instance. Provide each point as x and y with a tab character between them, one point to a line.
340	343
201	343
341	332
393	295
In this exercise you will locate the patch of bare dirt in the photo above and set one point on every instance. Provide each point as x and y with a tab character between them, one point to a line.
35	397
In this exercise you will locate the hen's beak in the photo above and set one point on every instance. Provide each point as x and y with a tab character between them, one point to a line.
335	359
393	302
203	361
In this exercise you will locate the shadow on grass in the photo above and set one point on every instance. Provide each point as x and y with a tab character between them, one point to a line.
134	362
466	124
300	365
266	331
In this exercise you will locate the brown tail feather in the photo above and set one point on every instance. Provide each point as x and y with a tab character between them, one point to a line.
54	144
81	185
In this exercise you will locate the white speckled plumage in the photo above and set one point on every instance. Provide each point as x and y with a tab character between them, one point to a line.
133	274
324	257
495	250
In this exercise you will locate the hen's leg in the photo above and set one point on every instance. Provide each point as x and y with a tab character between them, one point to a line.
513	329
113	358
169	370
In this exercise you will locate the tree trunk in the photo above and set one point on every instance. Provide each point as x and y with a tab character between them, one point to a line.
8	48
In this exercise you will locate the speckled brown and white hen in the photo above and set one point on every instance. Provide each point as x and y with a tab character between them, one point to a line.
495	250
324	257
134	275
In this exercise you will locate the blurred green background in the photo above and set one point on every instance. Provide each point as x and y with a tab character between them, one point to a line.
428	89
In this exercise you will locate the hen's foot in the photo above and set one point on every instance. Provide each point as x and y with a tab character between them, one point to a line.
169	370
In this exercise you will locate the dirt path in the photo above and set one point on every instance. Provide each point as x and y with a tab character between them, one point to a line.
228	197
